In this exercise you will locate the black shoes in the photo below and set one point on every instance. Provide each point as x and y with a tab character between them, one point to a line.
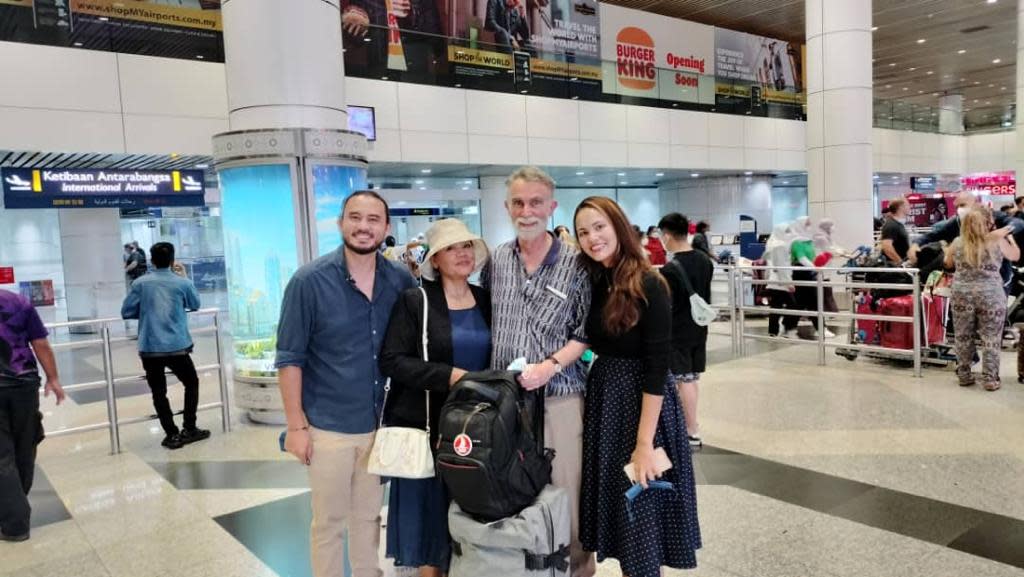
14	538
173	442
189	436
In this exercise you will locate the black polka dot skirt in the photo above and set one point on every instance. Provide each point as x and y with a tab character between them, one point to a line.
664	531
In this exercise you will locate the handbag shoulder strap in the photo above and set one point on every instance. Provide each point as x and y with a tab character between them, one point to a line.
426	356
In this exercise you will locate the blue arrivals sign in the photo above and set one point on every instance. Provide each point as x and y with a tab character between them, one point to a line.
68	188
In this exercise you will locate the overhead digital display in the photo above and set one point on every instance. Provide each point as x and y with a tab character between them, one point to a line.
69	188
363	119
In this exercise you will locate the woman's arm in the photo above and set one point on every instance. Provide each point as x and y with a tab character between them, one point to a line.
1008	246
401	357
657	336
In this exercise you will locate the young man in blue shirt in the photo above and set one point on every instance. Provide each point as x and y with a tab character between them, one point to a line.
334	316
160	300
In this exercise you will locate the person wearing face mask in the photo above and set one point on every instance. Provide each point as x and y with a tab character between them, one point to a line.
824	245
895	241
949	231
803	256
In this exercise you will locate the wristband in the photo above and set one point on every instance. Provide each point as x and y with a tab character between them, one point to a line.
558	365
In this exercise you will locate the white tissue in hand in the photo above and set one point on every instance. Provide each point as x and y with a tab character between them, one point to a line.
518	365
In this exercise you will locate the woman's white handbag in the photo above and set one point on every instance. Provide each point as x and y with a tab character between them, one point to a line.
403	452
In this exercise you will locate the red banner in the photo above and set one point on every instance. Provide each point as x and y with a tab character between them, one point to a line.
6	275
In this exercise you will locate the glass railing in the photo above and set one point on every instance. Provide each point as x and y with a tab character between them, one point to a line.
903	115
473	64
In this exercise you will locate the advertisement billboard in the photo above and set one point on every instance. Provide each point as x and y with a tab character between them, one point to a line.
78	188
758	68
650	56
190	29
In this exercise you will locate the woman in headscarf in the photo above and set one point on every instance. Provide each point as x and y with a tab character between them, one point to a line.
803	255
779	289
827	251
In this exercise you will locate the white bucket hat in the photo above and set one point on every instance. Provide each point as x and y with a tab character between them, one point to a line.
443	234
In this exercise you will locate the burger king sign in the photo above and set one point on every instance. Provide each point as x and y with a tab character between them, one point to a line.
653	56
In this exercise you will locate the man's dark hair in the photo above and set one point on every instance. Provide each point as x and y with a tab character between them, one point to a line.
639	233
1006	208
1019	201
371	194
651	230
675	224
702	227
897	204
129	246
390	241
161	254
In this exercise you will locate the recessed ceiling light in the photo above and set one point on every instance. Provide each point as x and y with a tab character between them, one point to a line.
976	82
623	182
426	171
469	182
581	173
997	61
888	85
419	182
590	182
785	182
991	85
423	188
892	64
921	40
992	1
749	173
988	102
905	88
694	174
920	91
929	73
659	174
873	28
78	43
622	174
1002	88
975	100
912	68
962	79
465	188
961	51
203	165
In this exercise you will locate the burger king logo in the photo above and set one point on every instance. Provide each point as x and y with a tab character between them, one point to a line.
635	59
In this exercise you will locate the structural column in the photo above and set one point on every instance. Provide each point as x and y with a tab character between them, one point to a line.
494	220
951	114
285	168
839	117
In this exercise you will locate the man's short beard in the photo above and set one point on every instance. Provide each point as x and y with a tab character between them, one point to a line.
359	250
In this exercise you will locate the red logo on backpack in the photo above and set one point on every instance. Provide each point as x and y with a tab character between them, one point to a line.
463	445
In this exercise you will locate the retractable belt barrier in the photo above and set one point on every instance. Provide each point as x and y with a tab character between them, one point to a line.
113	422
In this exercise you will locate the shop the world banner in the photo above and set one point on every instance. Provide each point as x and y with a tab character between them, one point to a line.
183	29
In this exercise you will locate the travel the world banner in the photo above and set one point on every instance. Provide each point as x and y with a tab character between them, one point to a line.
758	68
190	29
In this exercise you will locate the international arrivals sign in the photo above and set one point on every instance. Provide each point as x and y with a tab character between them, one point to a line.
71	188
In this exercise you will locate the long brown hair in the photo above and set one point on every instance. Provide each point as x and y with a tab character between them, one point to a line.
974	229
622	310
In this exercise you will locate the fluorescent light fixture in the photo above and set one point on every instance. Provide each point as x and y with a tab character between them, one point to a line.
203	165
873	28
694	174
622	174
590	182
997	61
419	182
961	51
659	174
922	40
426	171
423	188
748	173
580	173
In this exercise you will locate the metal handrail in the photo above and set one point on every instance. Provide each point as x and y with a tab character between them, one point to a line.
113	423
820	283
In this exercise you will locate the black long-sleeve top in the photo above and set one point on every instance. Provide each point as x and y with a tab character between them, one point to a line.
401	357
650	340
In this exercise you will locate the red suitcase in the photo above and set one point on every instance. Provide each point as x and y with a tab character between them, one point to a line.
900	335
867	331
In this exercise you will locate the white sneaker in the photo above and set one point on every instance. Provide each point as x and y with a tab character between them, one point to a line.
829	334
792	334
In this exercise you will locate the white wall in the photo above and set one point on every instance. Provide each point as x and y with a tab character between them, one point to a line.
720	201
920	152
73	100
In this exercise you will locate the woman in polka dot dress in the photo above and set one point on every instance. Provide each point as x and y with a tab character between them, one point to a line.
631	408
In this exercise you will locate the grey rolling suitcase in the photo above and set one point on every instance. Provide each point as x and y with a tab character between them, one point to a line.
534	543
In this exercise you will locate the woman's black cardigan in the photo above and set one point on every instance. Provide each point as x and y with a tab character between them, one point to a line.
401	357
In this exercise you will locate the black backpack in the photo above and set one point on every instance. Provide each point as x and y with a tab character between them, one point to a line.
491	453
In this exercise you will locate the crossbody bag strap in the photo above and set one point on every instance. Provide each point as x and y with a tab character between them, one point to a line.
686	278
426	356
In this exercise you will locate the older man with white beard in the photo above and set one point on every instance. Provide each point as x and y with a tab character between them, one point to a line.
540	298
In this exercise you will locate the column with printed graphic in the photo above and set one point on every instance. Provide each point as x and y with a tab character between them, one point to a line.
1019	160
285	168
839	117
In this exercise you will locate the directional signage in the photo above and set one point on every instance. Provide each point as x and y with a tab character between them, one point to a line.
72	188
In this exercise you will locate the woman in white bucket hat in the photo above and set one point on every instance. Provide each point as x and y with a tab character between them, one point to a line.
458	341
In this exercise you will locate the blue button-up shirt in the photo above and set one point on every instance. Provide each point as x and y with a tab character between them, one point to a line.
160	299
332	332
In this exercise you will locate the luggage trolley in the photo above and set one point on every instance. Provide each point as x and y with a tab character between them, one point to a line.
936	346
